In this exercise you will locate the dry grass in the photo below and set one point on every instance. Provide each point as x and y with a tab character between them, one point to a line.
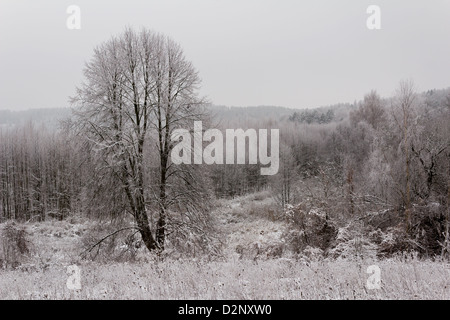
240	279
244	222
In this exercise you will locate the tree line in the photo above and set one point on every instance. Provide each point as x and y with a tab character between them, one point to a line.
390	153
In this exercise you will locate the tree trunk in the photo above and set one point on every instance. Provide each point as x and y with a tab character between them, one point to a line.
161	228
143	224
144	229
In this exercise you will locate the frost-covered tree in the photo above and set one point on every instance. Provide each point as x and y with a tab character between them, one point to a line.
138	88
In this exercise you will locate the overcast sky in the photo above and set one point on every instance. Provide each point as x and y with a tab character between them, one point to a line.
249	52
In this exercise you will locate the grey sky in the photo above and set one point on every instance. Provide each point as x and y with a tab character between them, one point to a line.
249	52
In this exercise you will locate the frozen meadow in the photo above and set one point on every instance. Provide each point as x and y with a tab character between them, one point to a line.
234	275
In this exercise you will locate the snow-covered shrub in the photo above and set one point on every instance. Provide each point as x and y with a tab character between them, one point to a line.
192	234
350	244
310	227
14	245
425	235
395	240
111	241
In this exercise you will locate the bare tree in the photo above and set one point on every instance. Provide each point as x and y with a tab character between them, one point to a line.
371	110
403	116
283	184
135	82
176	104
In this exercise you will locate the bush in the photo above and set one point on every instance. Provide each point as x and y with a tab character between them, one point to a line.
14	245
104	242
394	241
351	243
425	235
192	235
309	228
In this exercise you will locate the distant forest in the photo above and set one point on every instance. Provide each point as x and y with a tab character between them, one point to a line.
382	159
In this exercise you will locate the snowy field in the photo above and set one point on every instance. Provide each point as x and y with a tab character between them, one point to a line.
235	275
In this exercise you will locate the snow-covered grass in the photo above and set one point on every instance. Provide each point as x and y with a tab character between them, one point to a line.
250	269
250	226
234	279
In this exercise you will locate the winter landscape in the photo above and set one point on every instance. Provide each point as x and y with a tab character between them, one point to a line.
141	186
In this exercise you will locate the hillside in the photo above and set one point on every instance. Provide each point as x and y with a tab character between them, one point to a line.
51	117
252	241
48	117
